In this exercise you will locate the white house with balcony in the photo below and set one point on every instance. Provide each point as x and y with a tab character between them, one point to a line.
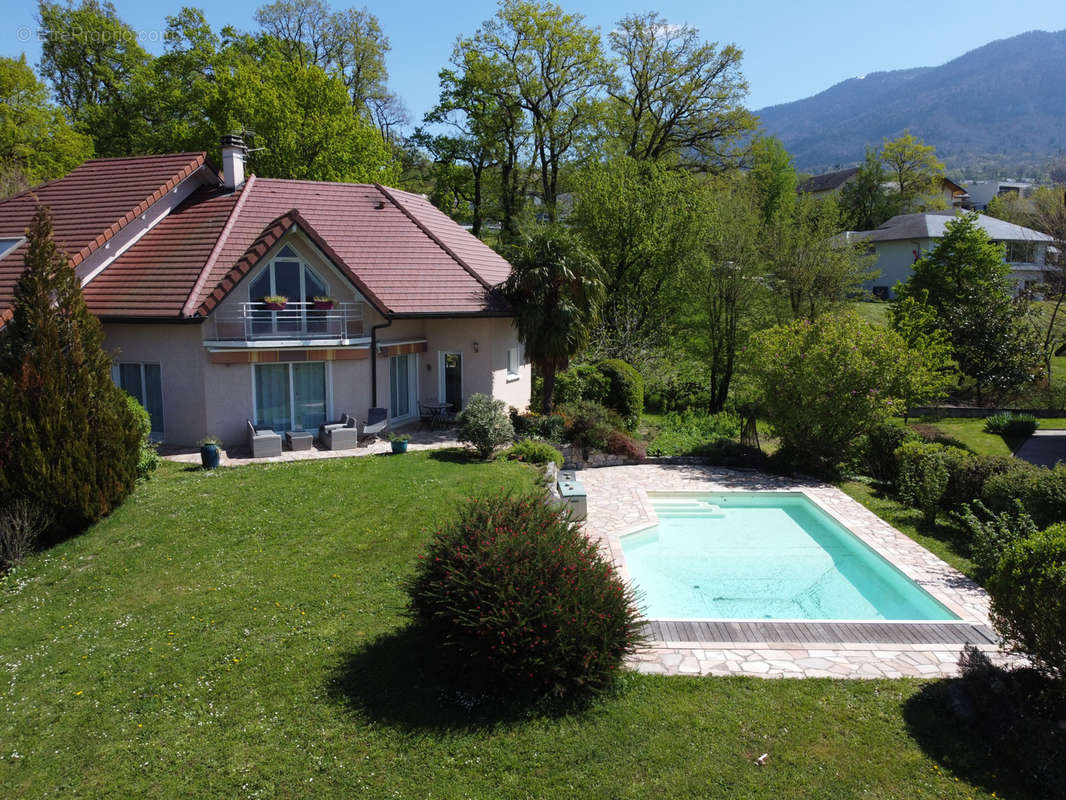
284	303
902	240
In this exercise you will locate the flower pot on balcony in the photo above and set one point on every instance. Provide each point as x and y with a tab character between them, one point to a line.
324	305
275	303
275	306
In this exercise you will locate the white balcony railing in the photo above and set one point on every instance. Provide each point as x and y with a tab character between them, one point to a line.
253	322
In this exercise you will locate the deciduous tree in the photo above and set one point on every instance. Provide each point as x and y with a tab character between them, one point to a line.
675	96
914	168
36	141
967	285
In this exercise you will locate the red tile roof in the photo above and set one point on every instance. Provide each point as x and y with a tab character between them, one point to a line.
409	255
89	206
401	252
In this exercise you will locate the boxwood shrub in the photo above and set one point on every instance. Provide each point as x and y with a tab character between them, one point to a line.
1028	591
517	602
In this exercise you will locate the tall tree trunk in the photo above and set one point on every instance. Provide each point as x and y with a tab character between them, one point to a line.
548	396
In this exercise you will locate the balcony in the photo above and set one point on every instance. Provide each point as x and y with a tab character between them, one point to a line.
253	324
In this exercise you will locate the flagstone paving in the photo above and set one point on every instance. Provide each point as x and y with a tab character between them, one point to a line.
618	504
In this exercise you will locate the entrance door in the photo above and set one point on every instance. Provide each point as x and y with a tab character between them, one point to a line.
451	379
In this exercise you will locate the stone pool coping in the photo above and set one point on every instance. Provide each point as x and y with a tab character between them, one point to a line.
618	504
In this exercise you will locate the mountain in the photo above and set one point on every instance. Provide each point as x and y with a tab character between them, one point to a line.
1003	103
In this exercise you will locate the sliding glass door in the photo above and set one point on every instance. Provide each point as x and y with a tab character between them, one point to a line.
403	385
291	397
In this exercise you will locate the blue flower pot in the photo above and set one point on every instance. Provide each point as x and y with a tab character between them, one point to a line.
209	455
399	447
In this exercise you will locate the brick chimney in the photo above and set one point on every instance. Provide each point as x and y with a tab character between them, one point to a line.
233	151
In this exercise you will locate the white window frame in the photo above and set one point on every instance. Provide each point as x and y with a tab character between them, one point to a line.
414	369
154	436
514	364
441	355
9	244
292	390
305	267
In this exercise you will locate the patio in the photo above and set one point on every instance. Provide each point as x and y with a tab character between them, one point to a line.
239	455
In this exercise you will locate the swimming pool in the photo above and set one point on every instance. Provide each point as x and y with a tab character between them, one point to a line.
764	555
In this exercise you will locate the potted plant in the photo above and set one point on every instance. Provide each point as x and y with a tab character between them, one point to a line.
275	302
399	442
323	303
210	451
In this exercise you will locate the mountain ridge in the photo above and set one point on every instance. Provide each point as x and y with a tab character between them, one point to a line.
1003	102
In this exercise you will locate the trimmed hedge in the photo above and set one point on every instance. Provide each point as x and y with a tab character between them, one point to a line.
1028	591
878	449
517	602
534	452
923	476
1042	491
625	390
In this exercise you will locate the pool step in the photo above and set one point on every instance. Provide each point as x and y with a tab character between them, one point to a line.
802	633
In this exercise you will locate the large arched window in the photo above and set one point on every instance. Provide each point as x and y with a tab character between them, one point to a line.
288	276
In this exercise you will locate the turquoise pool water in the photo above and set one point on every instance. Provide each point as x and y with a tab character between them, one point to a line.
764	555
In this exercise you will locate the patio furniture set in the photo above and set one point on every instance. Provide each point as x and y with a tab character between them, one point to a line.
345	434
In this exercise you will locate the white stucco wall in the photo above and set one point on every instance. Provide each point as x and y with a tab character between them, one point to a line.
895	260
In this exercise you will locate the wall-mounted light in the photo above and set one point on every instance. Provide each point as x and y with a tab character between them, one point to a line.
475	347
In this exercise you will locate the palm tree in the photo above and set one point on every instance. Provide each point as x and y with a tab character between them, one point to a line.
555	289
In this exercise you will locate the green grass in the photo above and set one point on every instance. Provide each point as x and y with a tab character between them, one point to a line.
240	633
874	313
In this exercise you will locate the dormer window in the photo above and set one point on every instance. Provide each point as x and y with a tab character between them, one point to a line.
288	276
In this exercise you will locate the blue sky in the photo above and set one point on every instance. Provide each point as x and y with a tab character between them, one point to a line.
791	49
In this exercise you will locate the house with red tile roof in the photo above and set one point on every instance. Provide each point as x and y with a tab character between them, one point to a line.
387	302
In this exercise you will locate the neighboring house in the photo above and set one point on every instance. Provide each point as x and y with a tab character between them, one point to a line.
832	183
981	193
904	238
828	184
176	260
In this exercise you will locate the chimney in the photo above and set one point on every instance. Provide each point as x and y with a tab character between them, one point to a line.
233	151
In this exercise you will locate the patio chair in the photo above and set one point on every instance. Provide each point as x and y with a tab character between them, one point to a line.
263	442
343	435
377	420
425	416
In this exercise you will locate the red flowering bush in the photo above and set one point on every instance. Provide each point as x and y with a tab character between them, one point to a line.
518	602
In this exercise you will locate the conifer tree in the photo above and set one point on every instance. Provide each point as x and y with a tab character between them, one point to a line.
68	441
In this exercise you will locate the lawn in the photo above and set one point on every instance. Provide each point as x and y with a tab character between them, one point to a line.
240	633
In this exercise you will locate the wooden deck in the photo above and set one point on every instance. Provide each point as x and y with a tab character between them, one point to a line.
880	633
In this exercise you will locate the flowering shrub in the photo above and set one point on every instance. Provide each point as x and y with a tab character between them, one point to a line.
826	382
517	601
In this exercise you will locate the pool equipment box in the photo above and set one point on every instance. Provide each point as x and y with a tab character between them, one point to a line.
572	493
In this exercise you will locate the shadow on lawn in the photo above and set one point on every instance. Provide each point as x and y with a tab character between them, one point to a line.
456	455
394	680
989	735
952	535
